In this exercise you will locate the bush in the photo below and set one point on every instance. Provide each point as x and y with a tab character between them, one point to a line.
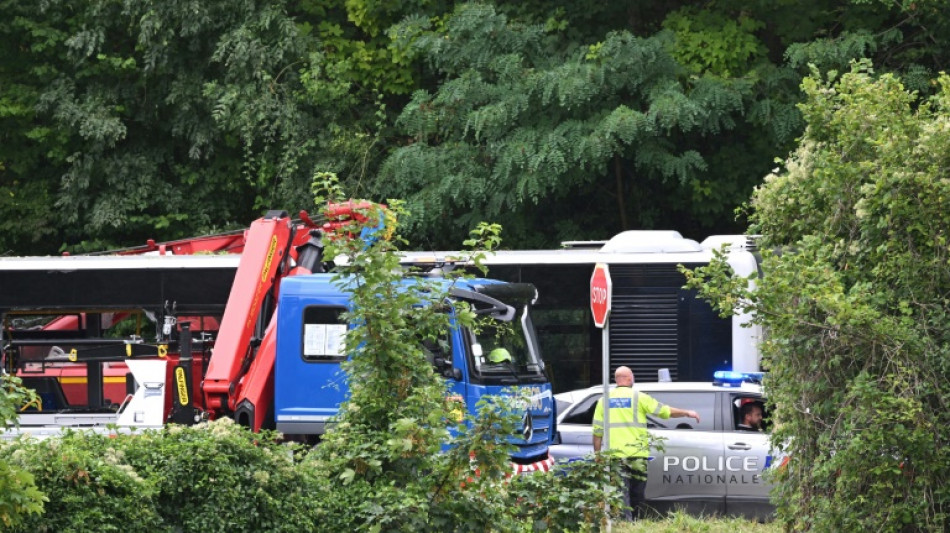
89	486
19	496
577	496
207	478
221	477
855	307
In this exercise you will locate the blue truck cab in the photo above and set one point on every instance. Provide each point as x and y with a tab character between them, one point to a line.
502	356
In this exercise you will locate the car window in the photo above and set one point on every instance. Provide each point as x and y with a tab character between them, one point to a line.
583	411
324	334
704	403
742	403
562	405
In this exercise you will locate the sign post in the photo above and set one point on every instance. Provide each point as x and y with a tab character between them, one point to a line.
601	293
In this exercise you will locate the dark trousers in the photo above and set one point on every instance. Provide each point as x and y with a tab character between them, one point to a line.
634	494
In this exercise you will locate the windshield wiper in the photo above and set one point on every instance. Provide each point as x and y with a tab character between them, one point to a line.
514	372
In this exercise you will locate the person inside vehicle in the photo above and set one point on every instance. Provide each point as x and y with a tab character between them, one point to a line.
750	417
628	433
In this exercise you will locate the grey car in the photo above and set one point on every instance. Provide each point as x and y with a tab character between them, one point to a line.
707	467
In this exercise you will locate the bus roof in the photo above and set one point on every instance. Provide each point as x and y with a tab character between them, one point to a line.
628	247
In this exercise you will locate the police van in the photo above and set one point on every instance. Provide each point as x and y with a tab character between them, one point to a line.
710	467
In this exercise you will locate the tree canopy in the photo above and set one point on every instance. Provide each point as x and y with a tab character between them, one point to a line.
516	127
121	121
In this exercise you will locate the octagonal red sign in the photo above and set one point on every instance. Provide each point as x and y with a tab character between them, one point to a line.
601	288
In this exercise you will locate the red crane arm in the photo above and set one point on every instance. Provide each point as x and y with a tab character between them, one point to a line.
251	301
240	373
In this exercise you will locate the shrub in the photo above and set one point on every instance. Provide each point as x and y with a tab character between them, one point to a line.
855	307
221	477
19	496
89	486
381	463
208	478
576	496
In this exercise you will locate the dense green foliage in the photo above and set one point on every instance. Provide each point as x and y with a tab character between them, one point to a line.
855	306
128	106
525	127
19	496
680	522
382	460
215	477
132	119
219	477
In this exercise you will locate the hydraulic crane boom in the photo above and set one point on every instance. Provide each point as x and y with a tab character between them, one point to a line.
240	370
265	252
240	374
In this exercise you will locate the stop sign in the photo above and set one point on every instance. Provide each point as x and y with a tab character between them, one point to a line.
600	292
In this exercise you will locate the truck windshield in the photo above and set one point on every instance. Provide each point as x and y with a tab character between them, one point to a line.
505	352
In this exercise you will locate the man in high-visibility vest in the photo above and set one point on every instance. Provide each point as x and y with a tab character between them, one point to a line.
628	432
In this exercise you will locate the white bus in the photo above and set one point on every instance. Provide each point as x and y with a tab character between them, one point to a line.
654	323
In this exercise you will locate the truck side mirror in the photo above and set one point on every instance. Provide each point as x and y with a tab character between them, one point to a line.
444	367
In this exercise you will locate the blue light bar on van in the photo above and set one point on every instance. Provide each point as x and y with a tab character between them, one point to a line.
727	378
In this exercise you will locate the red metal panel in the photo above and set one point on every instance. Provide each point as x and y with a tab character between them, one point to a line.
257	386
261	264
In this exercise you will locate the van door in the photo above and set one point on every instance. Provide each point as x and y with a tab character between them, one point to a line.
309	384
687	472
747	458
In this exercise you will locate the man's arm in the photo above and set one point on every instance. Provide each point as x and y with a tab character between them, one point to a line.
681	413
597	425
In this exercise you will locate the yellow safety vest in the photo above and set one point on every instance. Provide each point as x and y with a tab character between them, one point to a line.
628	426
